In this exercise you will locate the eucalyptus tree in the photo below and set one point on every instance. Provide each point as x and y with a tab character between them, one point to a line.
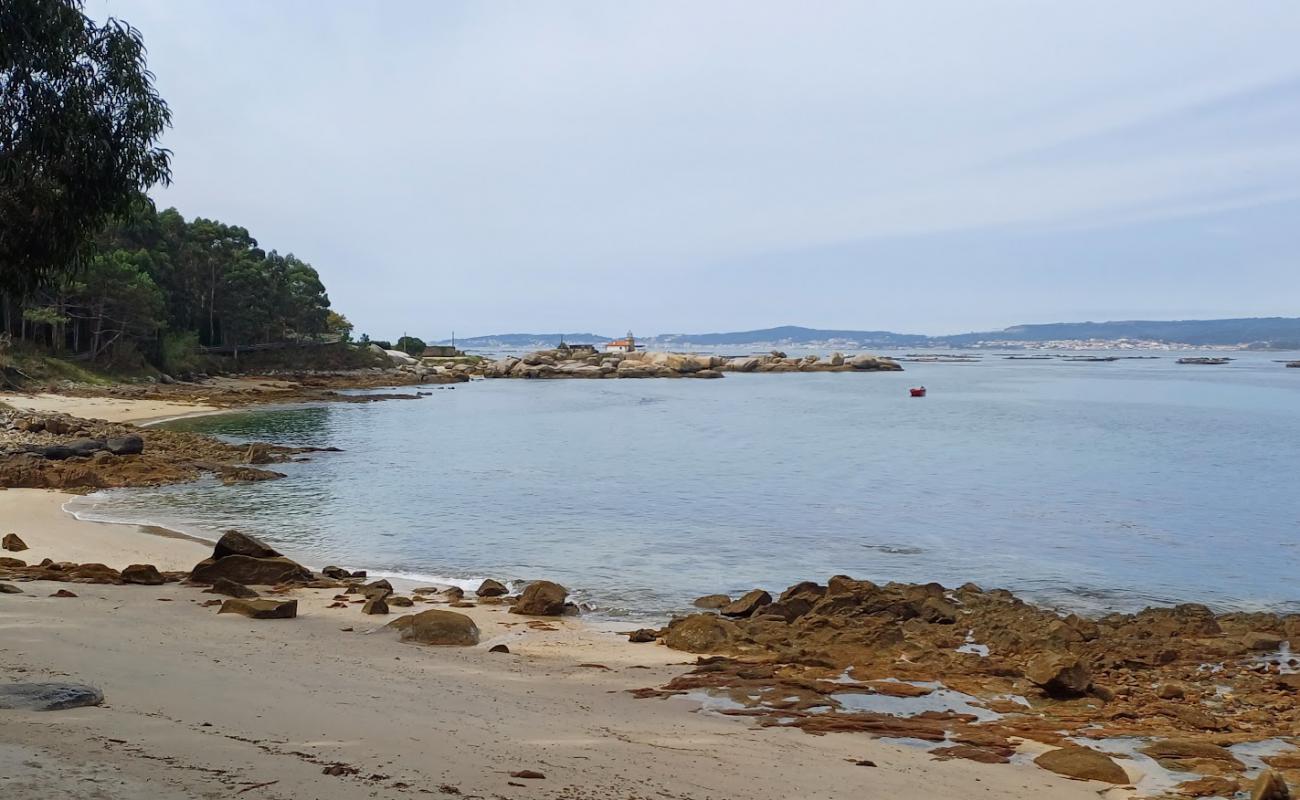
79	124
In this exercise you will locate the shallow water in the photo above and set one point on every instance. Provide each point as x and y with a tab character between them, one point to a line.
1091	486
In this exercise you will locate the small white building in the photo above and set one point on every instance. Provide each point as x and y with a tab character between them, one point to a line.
627	345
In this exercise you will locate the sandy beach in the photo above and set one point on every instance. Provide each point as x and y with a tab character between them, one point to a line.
200	705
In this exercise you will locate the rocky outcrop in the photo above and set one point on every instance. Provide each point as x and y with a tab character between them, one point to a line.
542	599
1143	675
574	364
437	627
57	451
260	608
1082	763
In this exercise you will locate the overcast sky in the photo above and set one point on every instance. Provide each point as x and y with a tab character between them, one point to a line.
931	166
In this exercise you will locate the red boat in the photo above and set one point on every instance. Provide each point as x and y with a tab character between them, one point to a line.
918	391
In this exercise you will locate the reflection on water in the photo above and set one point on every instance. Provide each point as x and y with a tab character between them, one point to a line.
1089	485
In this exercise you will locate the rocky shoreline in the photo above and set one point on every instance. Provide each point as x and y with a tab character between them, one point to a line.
848	655
570	364
974	672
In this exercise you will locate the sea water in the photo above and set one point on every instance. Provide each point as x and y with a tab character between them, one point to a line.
1088	486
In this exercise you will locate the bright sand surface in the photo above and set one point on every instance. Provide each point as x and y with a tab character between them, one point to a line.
110	409
200	705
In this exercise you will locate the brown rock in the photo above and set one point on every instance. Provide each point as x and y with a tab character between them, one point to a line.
1269	786
250	570
63	593
491	588
9	588
11	563
337	573
498	648
235	543
399	601
643	635
712	601
437	627
231	589
1171	691
748	603
94	573
1175	750
12	543
528	774
1209	786
541	599
1256	640
261	608
375	605
1059	674
1082	763
453	593
143	574
701	633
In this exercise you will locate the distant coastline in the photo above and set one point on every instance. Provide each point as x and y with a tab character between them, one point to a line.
1254	333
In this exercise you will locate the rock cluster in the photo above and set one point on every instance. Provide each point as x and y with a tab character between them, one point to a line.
72	572
1189	680
58	451
567	364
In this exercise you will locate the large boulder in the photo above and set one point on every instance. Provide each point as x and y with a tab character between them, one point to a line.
13	543
541	599
1269	785
437	627
491	588
234	543
48	696
130	445
261	608
143	574
748	603
1059	674
401	359
701	633
249	570
1082	763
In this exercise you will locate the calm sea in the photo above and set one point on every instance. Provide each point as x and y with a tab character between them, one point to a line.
1091	486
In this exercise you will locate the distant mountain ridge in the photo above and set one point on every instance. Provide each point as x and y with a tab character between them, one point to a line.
1260	332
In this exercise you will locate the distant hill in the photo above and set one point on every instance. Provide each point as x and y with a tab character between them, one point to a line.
793	334
1259	332
1277	332
538	340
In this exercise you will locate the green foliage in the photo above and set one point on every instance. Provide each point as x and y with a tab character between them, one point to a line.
338	325
411	345
159	281
179	353
79	117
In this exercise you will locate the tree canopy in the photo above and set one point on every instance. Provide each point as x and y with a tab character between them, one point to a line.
79	122
156	275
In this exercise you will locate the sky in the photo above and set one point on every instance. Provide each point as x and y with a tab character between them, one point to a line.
930	167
